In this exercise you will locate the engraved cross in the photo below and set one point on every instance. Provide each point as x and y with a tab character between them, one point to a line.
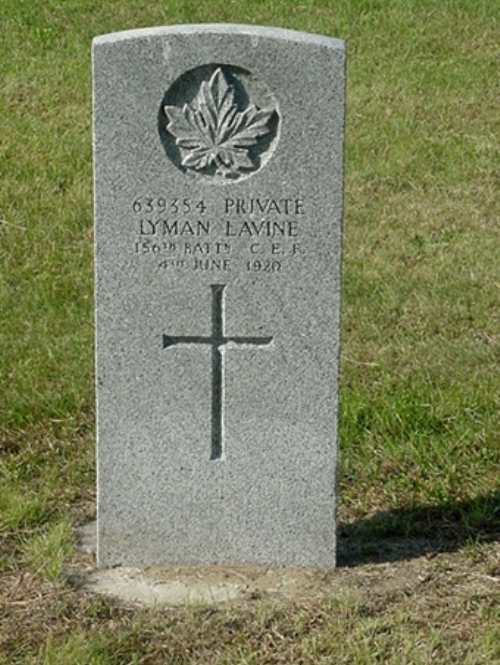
217	340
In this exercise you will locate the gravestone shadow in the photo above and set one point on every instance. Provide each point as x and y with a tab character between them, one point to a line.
404	534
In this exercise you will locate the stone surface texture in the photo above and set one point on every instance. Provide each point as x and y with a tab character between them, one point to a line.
218	162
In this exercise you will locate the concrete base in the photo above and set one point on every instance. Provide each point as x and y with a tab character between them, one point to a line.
185	585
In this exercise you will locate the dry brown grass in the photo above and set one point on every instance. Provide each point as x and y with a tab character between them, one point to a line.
440	608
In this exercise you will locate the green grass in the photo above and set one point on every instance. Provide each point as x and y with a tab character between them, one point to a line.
420	385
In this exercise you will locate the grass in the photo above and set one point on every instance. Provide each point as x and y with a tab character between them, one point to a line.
419	483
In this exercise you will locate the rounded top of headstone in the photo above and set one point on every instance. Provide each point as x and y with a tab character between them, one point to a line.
224	29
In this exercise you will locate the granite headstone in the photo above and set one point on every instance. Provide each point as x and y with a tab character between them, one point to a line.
218	164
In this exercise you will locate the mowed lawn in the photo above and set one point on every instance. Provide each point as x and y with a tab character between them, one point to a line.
419	476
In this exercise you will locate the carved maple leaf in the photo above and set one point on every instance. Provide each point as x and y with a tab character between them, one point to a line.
212	131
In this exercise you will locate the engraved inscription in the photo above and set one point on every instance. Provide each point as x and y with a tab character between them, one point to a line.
220	122
263	266
264	206
259	235
149	227
162	205
265	228
217	340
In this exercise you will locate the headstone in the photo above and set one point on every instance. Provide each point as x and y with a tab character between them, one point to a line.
218	160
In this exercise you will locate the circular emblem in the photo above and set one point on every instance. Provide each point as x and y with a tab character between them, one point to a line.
219	122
